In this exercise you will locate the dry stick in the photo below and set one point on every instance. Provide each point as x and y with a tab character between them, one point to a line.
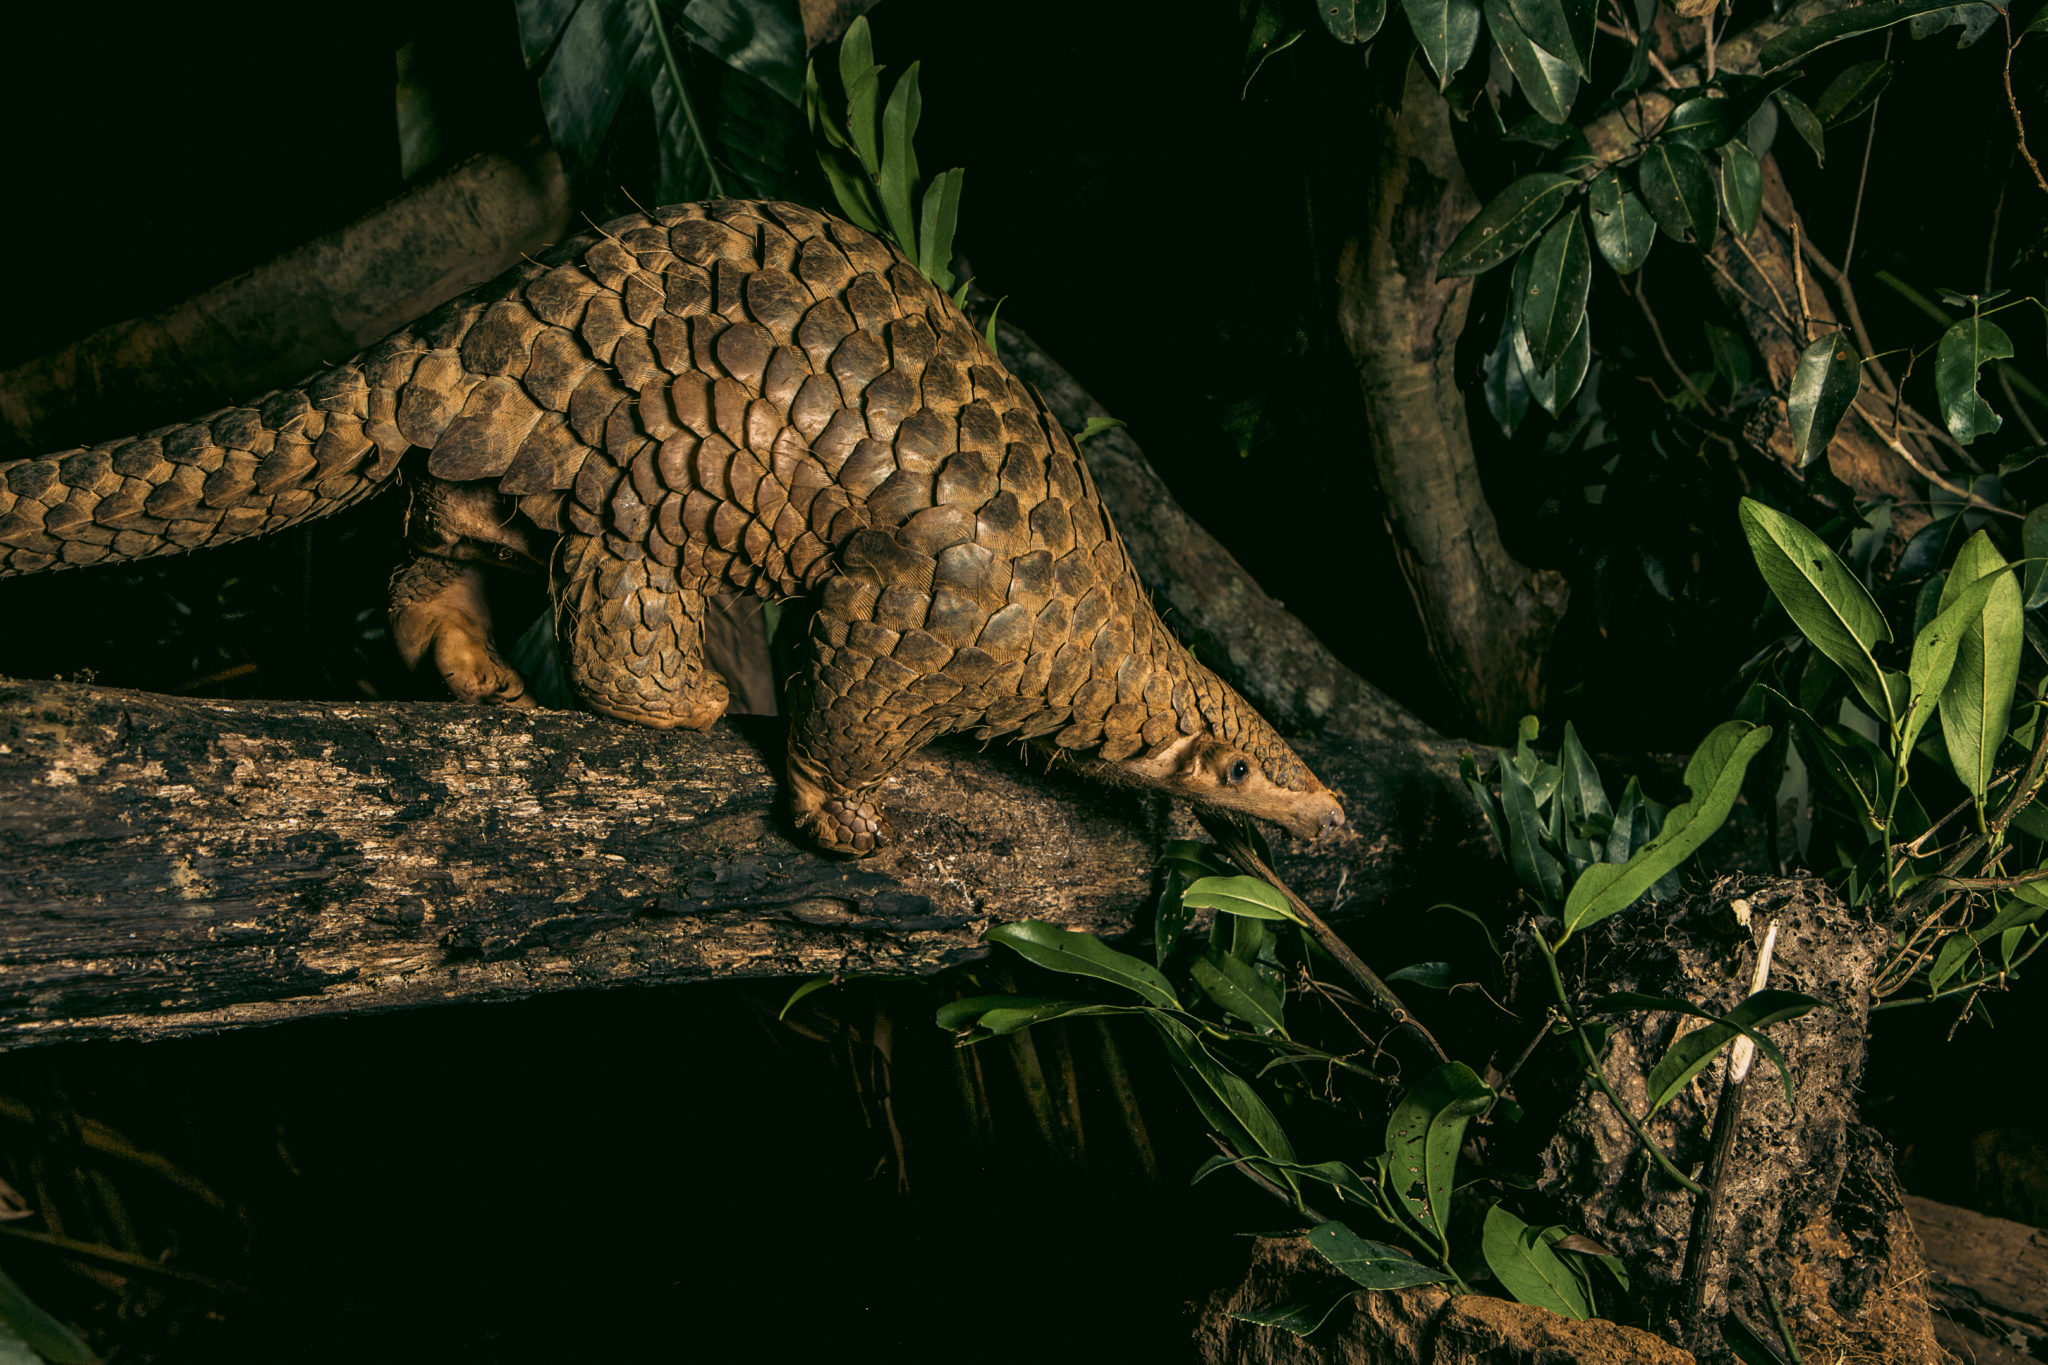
1920	467
1643	302
2019	124
1847	294
1239	850
1699	1251
1862	176
126	1263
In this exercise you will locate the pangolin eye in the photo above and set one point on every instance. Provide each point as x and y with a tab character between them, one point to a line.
1239	771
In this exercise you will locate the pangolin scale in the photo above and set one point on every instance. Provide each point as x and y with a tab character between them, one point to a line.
715	398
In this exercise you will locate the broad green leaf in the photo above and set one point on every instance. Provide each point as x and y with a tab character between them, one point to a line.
1434	976
899	179
1624	836
1581	784
1335	1174
1352	21
1552	280
1824	384
1563	28
1822	751
1527	1268
1714	779
1240	896
1423	1136
862	80
1001	1014
1302	1319
1193	860
1845	23
39	1331
1371	1265
1095	426
1532	862
1557	386
1240	991
1679	189
935	237
1446	31
1966	348
1852	92
1934	654
1227	1101
1547	81
1689	1055
1510	221
1079	954
1955	951
1488	807
1507	392
816	983
1622	226
1742	187
1272	33
1976	706
1804	122
1721	113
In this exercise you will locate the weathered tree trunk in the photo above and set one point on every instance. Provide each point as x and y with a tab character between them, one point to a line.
169	866
1489	618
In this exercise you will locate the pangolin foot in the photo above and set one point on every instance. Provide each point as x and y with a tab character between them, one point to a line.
850	828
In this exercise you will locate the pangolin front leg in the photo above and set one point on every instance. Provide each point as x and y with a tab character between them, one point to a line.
633	637
438	610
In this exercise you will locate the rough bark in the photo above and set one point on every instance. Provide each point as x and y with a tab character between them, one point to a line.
317	303
1489	618
1988	1282
171	866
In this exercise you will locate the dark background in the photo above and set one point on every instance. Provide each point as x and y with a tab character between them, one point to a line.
648	1171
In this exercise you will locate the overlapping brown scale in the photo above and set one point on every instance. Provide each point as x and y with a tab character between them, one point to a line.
480	441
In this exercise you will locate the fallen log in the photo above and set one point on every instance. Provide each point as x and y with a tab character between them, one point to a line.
172	866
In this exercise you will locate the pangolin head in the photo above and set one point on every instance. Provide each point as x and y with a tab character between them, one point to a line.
1236	762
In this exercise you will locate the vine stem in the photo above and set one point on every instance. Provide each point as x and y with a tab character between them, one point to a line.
1240	851
1598	1074
2019	125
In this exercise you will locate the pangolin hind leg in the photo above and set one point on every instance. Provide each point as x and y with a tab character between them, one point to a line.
633	637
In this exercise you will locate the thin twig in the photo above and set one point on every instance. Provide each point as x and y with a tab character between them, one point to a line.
1643	302
1920	467
1239	850
1846	292
1799	278
126	1263
2019	124
1863	176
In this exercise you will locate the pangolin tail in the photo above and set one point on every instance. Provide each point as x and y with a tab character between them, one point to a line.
289	456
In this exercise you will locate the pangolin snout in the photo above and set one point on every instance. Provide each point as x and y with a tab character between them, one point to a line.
1316	817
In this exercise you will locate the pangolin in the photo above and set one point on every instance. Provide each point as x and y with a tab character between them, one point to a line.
716	398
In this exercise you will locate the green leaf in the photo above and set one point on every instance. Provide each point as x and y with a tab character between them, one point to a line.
1546	81
1689	1055
899	179
1581	785
1679	189
1078	954
1423	1136
1510	221
1966	348
1563	28
1170	917
935	240
1192	860
1227	1101
1240	991
1352	21
1852	92
1552	281
1555	387
1370	1265
1435	976
1742	186
1000	1014
989	334
1846	23
862	81
1804	122
1622	226
1270	36
40	1332
1095	426
1976	706
1714	779
816	983
1536	867
1446	31
1934	653
1824	384
1822	751
1302	1319
1247	896
1527	1268
1721	113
